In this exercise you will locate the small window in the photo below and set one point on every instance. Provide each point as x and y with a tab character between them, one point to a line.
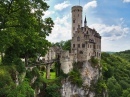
73	28
73	21
99	54
78	26
78	15
73	45
78	38
81	52
83	45
79	45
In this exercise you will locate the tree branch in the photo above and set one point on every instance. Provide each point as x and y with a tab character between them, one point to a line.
9	7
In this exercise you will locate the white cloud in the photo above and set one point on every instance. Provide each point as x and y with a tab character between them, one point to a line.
91	4
126	0
48	13
61	30
111	32
62	5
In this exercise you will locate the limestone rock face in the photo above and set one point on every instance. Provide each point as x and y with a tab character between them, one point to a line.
89	75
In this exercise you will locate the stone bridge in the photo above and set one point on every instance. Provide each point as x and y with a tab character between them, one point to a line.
52	56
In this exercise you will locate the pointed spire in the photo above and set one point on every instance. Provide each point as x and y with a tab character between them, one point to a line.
85	21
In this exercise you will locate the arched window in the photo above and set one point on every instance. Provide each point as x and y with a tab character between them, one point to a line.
78	38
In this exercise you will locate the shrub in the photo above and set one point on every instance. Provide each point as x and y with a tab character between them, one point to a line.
75	77
94	61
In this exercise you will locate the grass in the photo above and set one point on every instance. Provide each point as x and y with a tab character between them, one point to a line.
52	75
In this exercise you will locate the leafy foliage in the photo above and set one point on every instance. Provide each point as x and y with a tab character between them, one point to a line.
124	54
23	35
94	61
5	81
75	77
65	45
116	73
53	91
23	39
126	93
22	90
100	87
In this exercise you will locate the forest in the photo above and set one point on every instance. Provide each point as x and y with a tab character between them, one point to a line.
116	73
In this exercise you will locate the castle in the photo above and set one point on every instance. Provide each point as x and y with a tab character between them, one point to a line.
85	43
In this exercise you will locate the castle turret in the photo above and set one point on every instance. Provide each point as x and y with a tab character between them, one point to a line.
76	18
85	22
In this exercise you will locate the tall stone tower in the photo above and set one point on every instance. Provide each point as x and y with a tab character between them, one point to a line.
76	18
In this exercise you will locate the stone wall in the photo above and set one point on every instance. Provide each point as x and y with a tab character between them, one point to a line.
66	61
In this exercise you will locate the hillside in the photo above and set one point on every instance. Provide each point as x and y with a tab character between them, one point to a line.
116	73
124	54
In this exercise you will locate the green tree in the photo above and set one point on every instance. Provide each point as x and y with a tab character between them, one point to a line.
53	91
23	31
114	88
126	93
22	90
67	45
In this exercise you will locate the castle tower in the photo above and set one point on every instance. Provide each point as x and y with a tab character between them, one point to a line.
76	18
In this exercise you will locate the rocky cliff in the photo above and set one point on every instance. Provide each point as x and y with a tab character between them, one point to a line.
90	75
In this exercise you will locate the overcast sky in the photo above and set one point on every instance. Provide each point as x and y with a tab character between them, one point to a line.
111	18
